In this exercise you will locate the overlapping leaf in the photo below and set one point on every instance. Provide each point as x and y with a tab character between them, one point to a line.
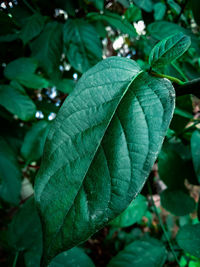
99	152
169	49
144	253
13	97
82	44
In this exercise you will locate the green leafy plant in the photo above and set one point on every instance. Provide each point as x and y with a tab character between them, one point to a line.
113	180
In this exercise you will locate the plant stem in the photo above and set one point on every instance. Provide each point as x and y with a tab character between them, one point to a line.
15	259
161	224
173	79
29	6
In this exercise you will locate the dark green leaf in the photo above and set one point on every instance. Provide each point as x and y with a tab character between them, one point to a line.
32	27
10	175
65	85
162	29
147	5
196	10
172	168
82	44
174	6
24	233
47	47
22	70
72	258
99	4
188	239
115	21
99	152
132	214
195	149
150	253
177	202
34	140
13	97
133	13
169	49
159	11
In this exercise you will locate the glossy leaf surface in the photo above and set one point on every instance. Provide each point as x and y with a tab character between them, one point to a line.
169	49
99	152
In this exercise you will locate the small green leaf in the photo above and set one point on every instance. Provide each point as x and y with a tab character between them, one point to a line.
32	147
169	49
175	8
100	150
47	47
177	202
99	4
146	5
188	239
10	174
65	85
32	27
159	11
22	70
25	234
144	253
133	13
72	258
20	67
82	44
115	21
13	97
132	214
195	149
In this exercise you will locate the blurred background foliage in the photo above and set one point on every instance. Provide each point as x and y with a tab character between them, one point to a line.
45	46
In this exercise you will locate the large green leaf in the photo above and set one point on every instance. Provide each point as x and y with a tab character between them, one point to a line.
132	214
32	27
100	150
10	175
22	70
195	149
47	47
115	21
177	202
72	258
169	49
144	253
34	140
13	97
188	239
82	44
